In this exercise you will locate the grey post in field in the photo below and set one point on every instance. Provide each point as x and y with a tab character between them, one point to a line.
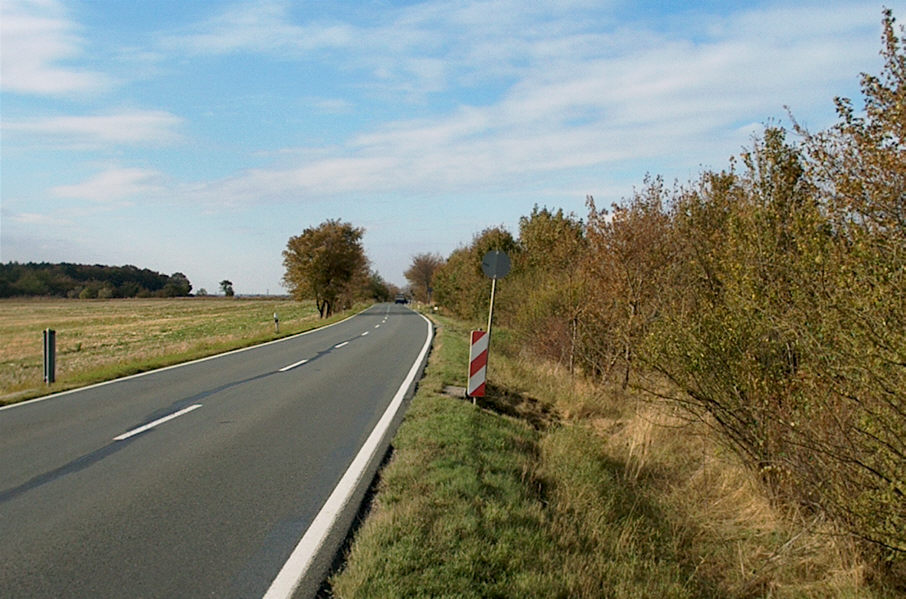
50	355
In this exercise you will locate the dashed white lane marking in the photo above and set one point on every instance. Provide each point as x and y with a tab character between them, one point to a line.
377	326
293	365
301	362
151	425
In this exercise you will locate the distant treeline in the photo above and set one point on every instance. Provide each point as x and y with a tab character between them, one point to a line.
88	281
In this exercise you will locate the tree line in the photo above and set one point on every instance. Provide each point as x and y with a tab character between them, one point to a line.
770	296
88	281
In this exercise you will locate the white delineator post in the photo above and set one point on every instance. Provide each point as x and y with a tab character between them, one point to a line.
478	364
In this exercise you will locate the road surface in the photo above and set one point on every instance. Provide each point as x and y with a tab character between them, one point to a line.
198	480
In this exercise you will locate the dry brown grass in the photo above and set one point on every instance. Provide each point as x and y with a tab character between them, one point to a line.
737	535
99	339
725	525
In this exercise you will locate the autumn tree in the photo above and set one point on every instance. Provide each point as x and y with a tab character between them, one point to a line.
326	263
629	251
856	308
460	285
548	284
421	274
452	280
378	289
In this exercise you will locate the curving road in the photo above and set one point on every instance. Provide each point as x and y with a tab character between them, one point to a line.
199	480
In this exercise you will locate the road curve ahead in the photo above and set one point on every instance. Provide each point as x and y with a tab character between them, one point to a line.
199	480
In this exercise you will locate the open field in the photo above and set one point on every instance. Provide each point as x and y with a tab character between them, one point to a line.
103	339
552	487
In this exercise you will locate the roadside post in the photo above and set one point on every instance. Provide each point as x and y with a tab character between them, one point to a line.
495	265
478	364
276	323
50	355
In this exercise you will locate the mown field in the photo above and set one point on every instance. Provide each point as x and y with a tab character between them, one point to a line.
552	487
103	339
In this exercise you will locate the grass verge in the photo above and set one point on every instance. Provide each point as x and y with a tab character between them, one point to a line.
556	488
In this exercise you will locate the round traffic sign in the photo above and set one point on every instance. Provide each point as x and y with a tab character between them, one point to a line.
495	264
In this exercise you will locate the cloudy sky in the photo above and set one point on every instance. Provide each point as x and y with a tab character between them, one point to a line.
199	136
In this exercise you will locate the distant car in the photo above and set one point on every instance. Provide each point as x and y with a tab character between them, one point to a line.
402	299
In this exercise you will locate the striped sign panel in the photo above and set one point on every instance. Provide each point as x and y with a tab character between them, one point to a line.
478	364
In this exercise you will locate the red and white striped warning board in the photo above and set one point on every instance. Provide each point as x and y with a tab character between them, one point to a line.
478	364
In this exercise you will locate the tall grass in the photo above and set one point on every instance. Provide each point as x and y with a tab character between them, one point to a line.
712	513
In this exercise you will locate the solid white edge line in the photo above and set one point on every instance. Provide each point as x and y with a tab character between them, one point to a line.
151	425
302	556
172	366
291	366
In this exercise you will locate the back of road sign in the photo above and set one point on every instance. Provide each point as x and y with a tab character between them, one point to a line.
495	264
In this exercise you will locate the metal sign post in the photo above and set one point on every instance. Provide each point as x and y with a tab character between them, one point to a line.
491	309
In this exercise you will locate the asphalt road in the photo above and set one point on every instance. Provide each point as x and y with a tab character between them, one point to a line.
211	501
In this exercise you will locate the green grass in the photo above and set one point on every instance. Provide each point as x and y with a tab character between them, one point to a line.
456	527
552	487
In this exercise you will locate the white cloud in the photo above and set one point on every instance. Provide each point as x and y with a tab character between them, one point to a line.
782	23
154	127
37	41
37	219
410	51
262	26
113	185
332	105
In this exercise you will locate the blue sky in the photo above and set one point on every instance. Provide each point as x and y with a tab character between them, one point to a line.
199	136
